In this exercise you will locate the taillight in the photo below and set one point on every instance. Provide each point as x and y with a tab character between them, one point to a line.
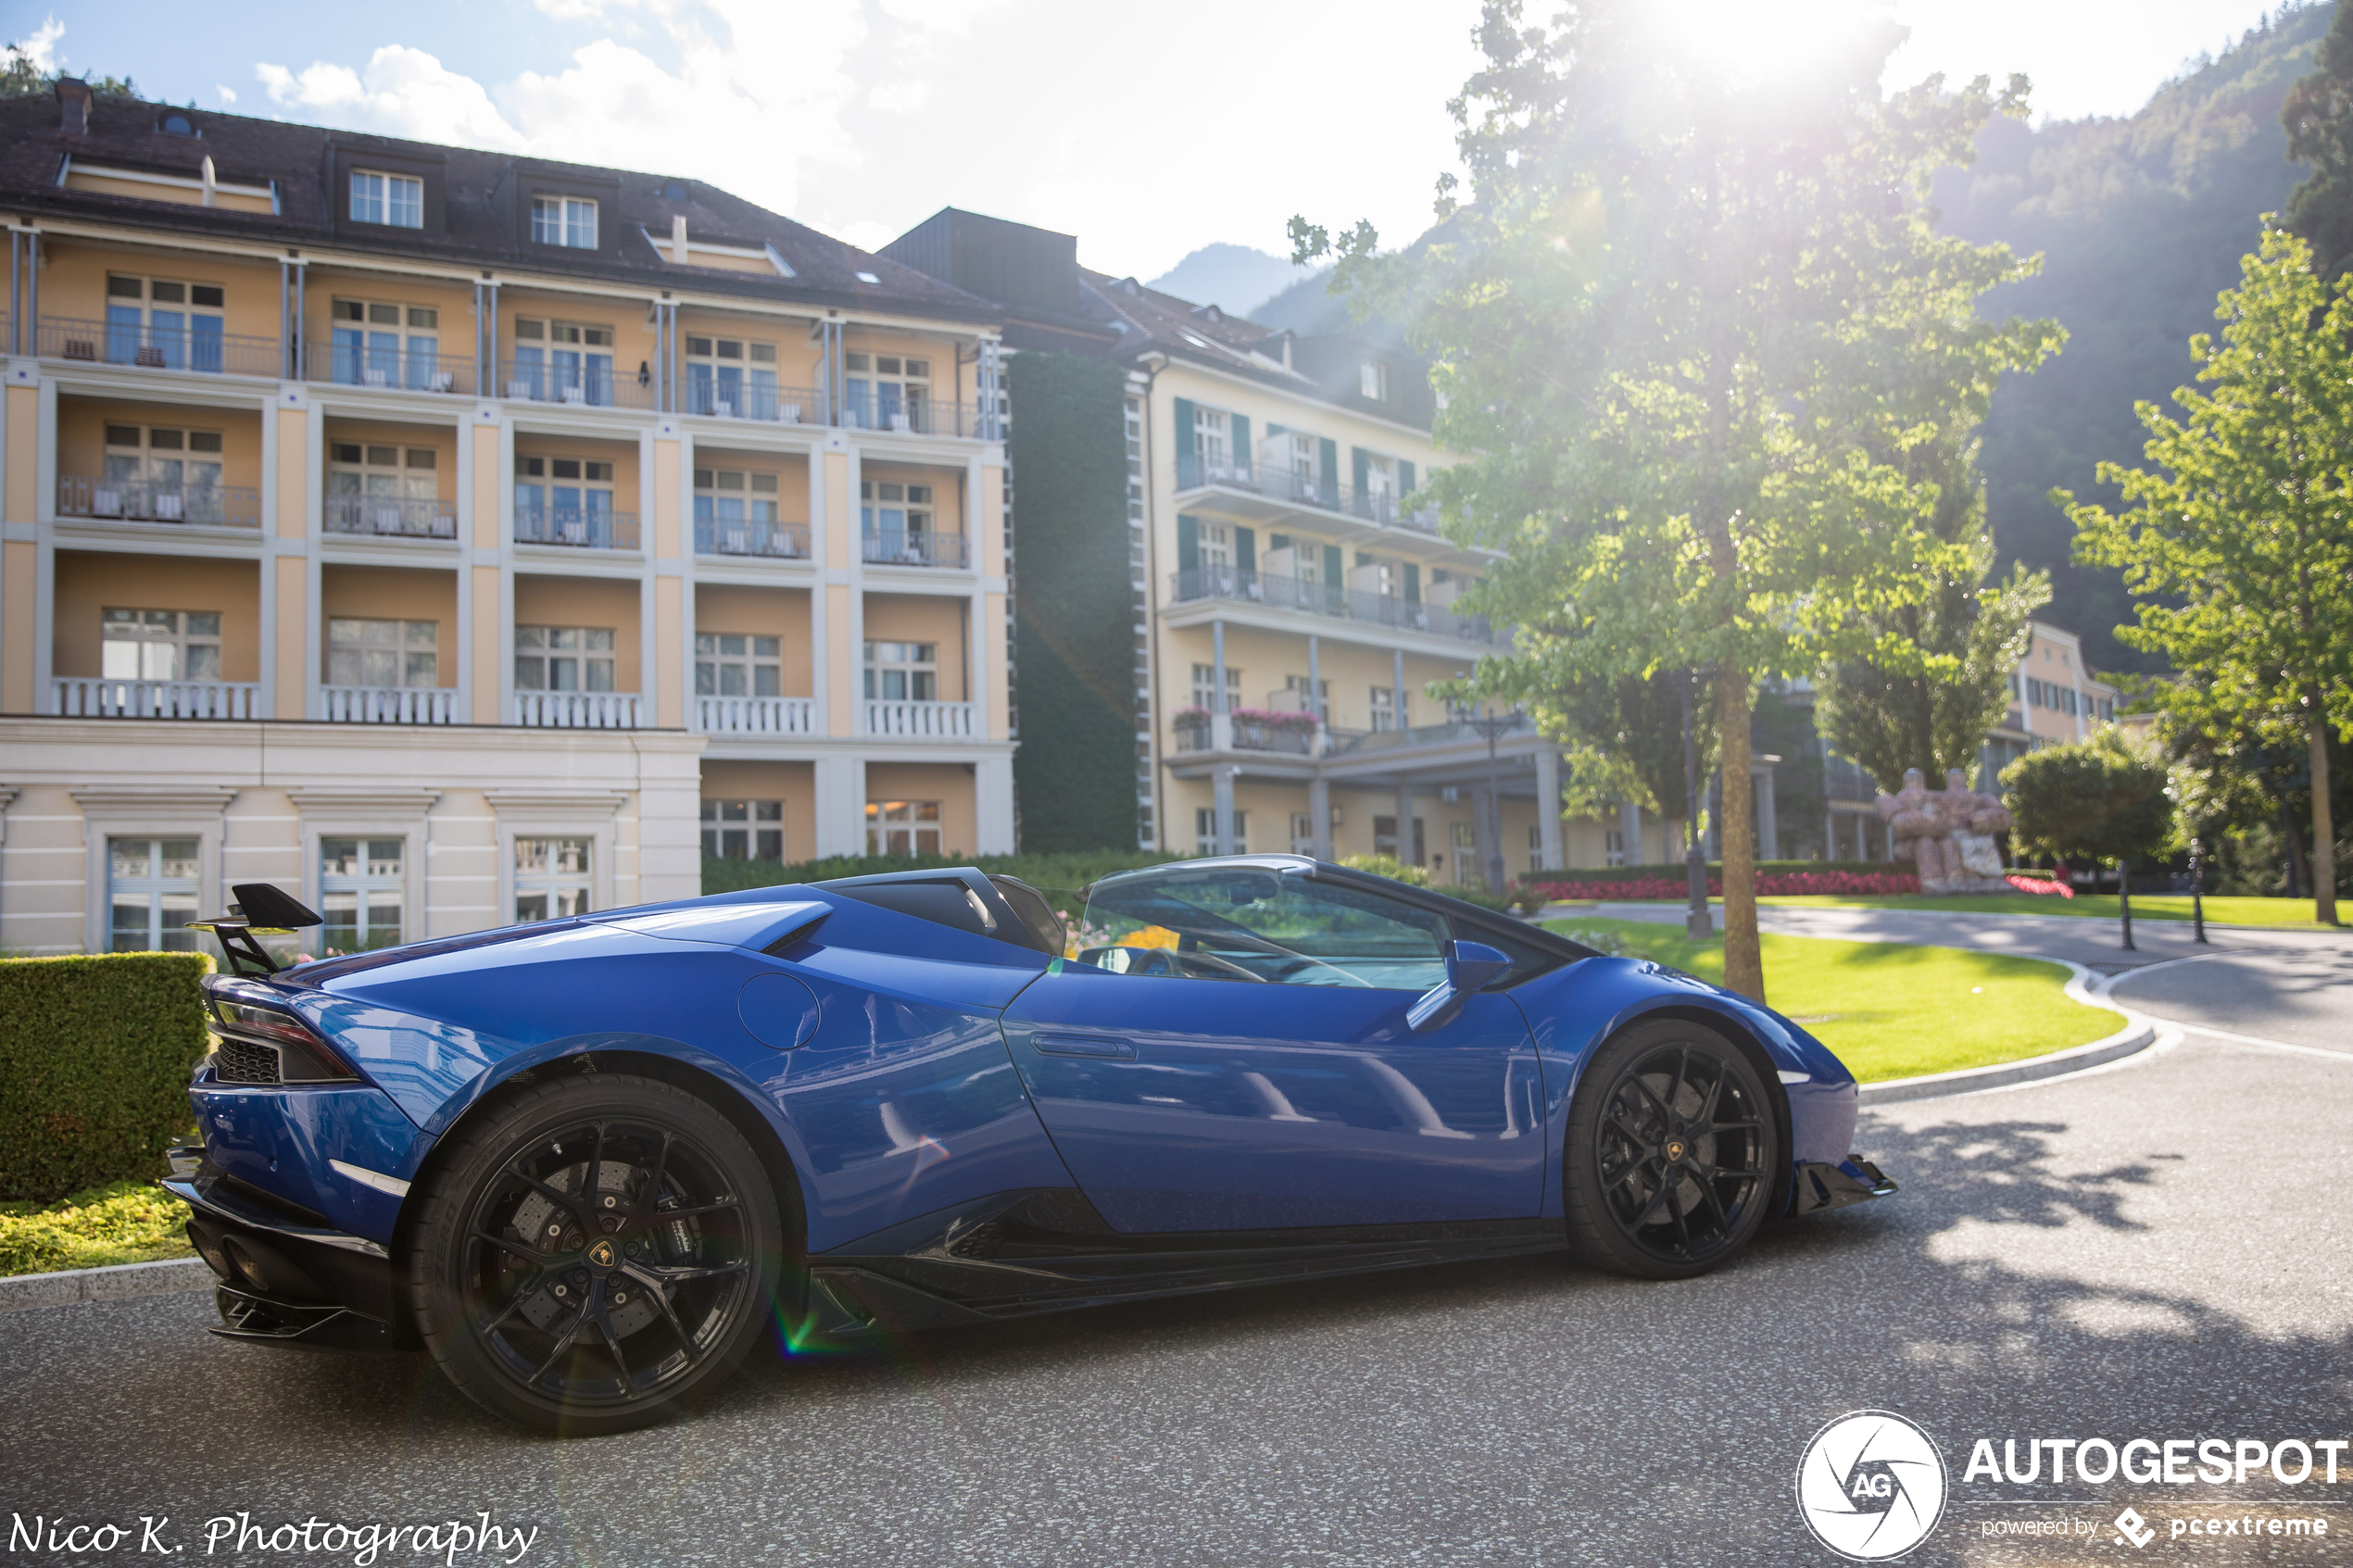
299	1055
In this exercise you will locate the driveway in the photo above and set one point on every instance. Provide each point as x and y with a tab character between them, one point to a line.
2159	1249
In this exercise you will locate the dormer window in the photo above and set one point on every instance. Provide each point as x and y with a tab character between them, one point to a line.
397	200
176	125
1372	381
563	220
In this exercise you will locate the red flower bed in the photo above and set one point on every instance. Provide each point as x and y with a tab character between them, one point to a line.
2039	885
1771	884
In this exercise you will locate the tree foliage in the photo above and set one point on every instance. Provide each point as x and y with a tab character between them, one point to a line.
1691	323
1623	739
2319	118
2096	801
22	76
2239	541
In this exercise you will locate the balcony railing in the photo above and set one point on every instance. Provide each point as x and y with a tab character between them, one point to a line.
389	705
1322	599
561	378
392	517
939	721
776	540
752	715
577	526
80	696
866	408
929	548
773	404
1244	732
1379	508
141	500
389	368
577	711
146	346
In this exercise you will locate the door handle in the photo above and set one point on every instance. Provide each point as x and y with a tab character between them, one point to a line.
1099	1046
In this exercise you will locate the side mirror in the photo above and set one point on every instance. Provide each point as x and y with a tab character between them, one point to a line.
1469	965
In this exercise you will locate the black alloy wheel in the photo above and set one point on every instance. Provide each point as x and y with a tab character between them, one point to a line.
1673	1154
595	1253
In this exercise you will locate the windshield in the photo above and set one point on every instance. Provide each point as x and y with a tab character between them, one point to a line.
1245	924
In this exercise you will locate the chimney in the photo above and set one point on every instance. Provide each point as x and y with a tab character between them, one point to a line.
73	106
211	184
1287	348
678	239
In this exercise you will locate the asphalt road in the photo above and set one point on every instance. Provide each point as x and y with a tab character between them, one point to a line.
2158	1248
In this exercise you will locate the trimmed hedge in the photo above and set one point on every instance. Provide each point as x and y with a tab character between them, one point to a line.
94	1057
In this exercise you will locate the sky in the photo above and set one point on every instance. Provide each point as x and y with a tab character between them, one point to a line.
1147	129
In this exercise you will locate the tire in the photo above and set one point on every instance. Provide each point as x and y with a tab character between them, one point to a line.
1673	1154
595	1254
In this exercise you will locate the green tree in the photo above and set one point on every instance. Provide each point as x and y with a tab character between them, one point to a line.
23	77
1935	717
2318	117
2239	543
1624	740
2096	801
1681	326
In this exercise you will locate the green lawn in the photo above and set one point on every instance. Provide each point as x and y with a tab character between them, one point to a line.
1889	1010
2282	913
123	1222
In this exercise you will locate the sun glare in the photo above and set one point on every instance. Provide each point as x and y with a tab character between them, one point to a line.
1761	38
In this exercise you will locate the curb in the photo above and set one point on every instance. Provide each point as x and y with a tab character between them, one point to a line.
121	1282
2082	985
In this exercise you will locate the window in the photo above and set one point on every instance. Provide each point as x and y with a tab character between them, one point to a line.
563	658
731	377
361	892
1242	923
1381	482
1216	543
1535	847
156	472
151	888
896	520
563	500
373	488
1135	459
1205	688
384	342
736	664
1385	840
1206	831
902	671
164	322
551	878
1465	836
382	653
398	200
735	512
563	220
888	390
160	645
902	827
1385	710
743	829
561	362
1613	847
1210	444
1372	381
1302	832
1295	697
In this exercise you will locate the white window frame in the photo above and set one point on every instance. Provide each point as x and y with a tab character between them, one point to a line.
1213	439
568	221
397	200
1205	687
1205	830
409	638
591	814
1372	381
865	372
180	638
754	653
754	388
199	457
343	811
1213	543
365	883
917	662
147	811
154	887
757	817
579	649
1383	704
879	822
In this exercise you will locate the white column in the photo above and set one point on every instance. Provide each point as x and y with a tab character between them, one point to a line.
993	805
1769	833
1548	807
840	805
1319	817
1221	782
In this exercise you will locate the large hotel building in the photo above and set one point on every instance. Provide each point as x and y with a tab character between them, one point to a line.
457	538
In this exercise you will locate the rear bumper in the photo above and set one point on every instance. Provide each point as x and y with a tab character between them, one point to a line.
1821	1184
286	1278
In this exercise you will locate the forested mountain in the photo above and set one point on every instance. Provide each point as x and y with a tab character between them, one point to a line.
2140	222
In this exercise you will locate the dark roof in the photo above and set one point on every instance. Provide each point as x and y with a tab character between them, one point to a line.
479	198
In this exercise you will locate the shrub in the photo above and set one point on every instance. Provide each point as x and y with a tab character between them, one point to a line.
121	1222
1768	884
95	1058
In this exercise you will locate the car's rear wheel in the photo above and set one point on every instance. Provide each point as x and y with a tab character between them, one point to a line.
1672	1152
595	1253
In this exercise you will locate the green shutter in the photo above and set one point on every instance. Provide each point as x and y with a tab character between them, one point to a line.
1185	476
1239	427
1332	562
1278	542
1327	452
1246	548
1188	544
1274	430
1404	476
1364	557
1413	584
1363	461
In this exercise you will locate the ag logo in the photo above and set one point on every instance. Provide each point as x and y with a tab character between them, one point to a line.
1872	1486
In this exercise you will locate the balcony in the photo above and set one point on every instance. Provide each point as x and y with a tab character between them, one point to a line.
577	526
197	349
392	517
891	548
1289	490
752	715
1244	586
885	408
388	367
727	399
389	705
562	379
577	711
145	500
78	697
771	541
923	721
1291	734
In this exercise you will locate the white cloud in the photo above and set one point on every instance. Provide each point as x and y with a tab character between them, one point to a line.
402	92
225	92
42	47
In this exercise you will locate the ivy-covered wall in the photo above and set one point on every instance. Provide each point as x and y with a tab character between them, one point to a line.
1073	618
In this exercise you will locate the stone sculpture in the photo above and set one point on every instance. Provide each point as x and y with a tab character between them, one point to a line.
1950	833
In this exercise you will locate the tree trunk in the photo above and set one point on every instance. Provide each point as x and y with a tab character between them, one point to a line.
2323	830
2124	901
1744	960
2295	851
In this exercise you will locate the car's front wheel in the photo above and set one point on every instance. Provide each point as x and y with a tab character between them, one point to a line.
594	1253
1673	1153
